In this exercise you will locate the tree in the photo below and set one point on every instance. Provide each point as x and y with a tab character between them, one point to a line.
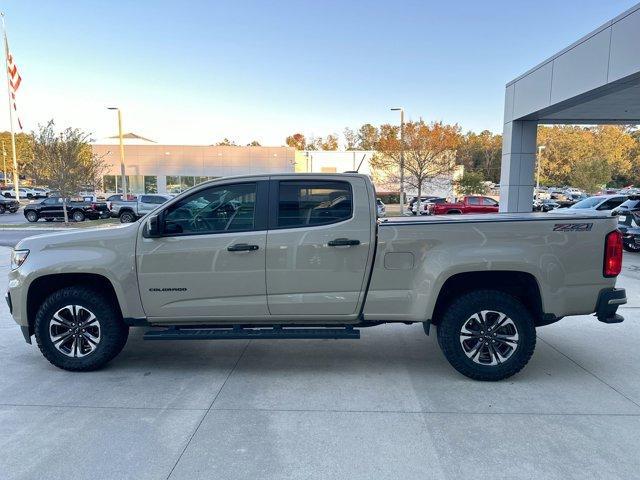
368	136
471	183
225	142
254	143
297	141
65	161
481	153
350	139
330	142
24	153
429	152
571	154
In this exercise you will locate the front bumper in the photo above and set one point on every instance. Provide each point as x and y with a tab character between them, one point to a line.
608	302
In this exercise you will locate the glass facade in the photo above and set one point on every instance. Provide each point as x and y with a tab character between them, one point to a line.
135	184
180	183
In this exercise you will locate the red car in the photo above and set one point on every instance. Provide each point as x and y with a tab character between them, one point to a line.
469	204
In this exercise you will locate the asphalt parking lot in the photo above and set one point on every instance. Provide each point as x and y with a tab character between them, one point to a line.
387	406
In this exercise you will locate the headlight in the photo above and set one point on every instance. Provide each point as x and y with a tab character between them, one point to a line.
18	257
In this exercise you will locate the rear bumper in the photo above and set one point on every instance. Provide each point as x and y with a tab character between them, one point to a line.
608	302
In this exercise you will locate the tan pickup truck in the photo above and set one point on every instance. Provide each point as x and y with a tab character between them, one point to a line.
304	256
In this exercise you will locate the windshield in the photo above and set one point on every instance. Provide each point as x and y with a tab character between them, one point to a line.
587	202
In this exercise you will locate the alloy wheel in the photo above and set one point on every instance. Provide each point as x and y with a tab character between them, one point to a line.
489	337
74	331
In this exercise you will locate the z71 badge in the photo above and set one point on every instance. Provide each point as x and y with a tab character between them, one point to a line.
572	227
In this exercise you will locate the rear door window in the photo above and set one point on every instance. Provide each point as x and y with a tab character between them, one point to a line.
309	203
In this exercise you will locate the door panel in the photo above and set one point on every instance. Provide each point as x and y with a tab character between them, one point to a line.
197	272
305	275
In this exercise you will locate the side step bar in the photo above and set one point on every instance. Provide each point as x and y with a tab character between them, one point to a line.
237	332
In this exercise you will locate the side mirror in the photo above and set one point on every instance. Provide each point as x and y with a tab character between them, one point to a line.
152	227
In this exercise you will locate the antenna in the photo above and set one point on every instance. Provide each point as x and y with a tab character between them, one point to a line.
360	164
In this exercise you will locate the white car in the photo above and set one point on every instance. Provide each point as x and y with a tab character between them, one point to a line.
598	203
381	208
23	191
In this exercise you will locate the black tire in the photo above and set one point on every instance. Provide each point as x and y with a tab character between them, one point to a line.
2	209
127	217
458	315
78	216
31	216
631	247
113	333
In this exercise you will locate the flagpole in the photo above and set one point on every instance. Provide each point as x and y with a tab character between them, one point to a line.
13	137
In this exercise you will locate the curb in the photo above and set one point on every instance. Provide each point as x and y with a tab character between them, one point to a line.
36	229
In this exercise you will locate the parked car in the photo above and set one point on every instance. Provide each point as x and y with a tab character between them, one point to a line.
41	192
468	204
303	257
130	210
596	203
23	191
429	205
381	208
7	205
52	208
416	206
545	205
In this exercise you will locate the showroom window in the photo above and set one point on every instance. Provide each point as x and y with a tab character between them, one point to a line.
150	184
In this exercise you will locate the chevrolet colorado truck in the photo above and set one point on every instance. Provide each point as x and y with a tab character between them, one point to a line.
468	204
304	256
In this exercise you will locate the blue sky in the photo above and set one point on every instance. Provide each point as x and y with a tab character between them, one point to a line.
196	71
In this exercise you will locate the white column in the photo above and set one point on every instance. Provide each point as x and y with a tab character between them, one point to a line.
518	164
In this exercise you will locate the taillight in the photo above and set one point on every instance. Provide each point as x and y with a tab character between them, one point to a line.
93	206
612	254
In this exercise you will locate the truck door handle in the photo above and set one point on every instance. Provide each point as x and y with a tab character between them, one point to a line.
242	247
343	242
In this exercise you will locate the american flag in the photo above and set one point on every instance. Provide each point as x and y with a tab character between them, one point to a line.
14	79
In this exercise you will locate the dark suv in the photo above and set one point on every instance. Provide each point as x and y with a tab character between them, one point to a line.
629	223
52	208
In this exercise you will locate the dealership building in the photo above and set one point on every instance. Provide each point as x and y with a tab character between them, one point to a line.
155	168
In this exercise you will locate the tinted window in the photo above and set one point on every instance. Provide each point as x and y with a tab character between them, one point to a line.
611	203
228	208
631	204
474	201
313	203
156	199
489	202
52	201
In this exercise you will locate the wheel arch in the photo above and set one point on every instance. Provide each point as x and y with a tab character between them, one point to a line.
43	286
521	285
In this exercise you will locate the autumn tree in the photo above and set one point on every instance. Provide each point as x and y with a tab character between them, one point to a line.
572	153
429	152
481	152
24	154
368	136
297	141
65	161
254	143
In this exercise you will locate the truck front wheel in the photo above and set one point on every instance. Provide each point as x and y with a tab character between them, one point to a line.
78	329
487	335
127	217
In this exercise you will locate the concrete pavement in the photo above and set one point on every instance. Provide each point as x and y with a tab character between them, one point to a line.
385	406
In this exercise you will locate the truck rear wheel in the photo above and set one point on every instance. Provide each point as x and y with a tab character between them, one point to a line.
78	329
487	335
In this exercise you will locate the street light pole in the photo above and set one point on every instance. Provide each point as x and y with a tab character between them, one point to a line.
4	170
540	149
402	199
123	177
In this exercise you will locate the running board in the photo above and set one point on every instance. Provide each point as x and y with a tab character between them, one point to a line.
235	333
